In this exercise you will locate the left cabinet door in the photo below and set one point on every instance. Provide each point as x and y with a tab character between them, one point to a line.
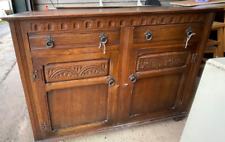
77	93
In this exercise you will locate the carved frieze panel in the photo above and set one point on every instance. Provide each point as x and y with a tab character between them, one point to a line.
76	70
111	22
161	61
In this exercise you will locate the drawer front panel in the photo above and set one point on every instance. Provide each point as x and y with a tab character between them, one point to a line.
161	61
76	70
166	33
80	39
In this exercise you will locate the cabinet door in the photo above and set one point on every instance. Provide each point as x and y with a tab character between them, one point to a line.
77	95
157	84
156	78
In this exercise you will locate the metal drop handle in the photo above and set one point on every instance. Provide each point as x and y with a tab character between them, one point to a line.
49	42
148	35
103	40
111	81
190	33
133	78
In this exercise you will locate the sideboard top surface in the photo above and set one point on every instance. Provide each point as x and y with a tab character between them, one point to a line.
61	13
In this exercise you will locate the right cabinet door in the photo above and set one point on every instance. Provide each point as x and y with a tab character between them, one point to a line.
158	82
158	72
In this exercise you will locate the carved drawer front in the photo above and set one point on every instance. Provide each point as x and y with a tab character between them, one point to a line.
78	39
178	32
161	61
76	70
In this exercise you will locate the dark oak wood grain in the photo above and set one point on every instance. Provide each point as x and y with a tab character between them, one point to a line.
78	106
73	86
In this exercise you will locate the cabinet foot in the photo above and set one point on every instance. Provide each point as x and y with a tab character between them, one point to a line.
180	118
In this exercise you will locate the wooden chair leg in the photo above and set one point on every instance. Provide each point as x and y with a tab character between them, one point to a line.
223	39
220	37
215	54
204	59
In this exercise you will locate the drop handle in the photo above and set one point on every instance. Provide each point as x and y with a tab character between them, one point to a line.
103	40
148	35
190	33
49	42
133	78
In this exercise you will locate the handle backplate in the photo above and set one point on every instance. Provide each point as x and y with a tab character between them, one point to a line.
103	38
111	81
190	33
49	42
148	35
133	78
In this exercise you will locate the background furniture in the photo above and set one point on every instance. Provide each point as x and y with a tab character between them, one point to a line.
218	51
194	3
206	120
153	2
90	70
215	47
219	27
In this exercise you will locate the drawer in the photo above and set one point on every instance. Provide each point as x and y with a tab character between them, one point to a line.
166	33
76	70
80	39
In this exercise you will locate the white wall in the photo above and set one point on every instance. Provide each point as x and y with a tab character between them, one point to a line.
4	5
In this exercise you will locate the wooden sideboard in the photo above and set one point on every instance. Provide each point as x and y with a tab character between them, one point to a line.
91	70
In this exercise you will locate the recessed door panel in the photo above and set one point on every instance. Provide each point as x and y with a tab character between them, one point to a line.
154	94
78	106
